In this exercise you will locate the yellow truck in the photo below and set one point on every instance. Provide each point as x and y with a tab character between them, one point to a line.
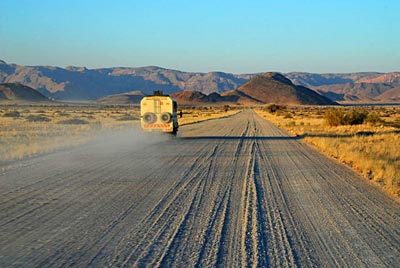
158	112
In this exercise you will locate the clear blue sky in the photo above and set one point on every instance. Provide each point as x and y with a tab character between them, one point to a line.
220	35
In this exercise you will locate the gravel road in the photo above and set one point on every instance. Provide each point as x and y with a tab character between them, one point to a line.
232	192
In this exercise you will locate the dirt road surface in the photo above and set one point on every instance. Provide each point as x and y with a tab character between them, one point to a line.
233	192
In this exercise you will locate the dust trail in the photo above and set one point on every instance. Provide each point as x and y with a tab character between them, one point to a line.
116	141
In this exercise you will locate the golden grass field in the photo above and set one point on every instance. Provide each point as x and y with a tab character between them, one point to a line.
30	130
372	149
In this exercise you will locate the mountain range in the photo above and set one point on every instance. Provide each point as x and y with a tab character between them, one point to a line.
262	89
80	83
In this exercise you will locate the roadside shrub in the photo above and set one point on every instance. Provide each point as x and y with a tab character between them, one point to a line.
74	121
12	114
57	113
395	124
374	119
272	108
89	116
288	115
37	118
355	117
336	117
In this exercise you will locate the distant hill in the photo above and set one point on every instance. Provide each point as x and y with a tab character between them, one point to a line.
312	80
19	92
389	78
132	97
214	82
196	97
275	88
390	96
80	83
353	87
360	92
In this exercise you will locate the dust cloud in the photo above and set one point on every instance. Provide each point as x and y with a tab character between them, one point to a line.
109	146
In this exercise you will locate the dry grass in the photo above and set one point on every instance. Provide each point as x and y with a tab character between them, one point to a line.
372	149
30	130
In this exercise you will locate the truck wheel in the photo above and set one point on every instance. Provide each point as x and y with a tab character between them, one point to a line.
149	118
166	117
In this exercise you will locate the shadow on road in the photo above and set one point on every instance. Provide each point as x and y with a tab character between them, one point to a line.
241	138
349	135
297	137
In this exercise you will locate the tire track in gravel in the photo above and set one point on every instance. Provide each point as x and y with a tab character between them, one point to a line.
223	254
168	210
323	224
67	207
116	255
59	212
280	250
51	185
358	213
253	240
104	241
41	205
187	253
